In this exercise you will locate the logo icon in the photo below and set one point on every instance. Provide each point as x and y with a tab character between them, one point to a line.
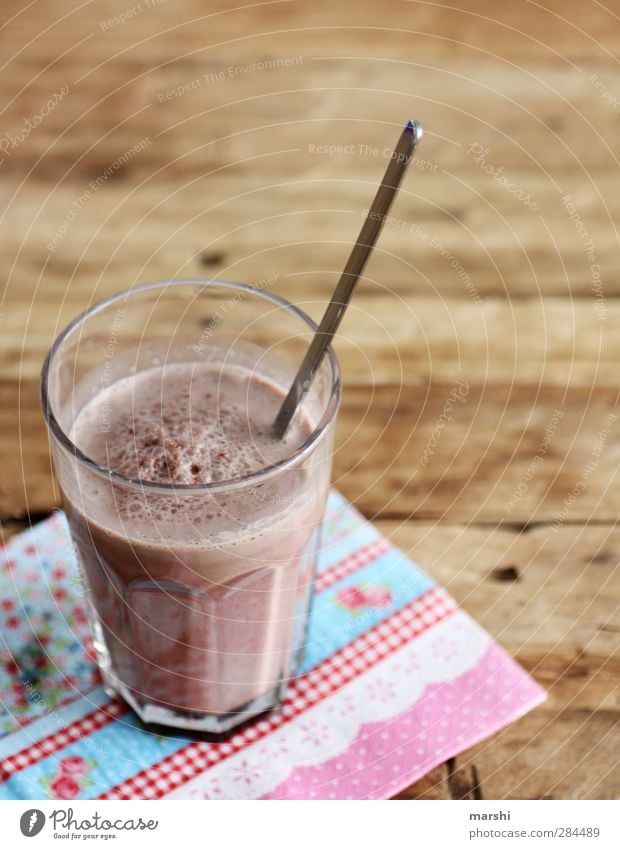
31	822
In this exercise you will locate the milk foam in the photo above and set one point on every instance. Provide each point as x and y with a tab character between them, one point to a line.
190	424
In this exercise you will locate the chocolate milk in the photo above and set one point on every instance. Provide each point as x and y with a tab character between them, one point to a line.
201	595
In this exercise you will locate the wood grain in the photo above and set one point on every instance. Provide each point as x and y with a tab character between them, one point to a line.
551	599
393	339
457	235
246	142
394	460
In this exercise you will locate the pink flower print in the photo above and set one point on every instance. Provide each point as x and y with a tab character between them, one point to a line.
73	765
314	733
246	772
353	598
442	649
70	779
280	748
349	705
357	598
64	787
413	666
80	615
7	604
89	648
378	596
204	794
380	691
11	667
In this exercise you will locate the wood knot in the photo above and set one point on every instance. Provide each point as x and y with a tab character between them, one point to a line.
603	557
212	258
506	573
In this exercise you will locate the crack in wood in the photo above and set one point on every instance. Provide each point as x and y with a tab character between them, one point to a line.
463	782
490	524
28	518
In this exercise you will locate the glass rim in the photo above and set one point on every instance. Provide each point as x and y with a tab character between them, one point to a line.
259	476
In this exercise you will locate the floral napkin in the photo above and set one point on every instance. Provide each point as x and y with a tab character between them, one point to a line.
396	680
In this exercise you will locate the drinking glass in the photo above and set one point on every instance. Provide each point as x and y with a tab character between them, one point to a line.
199	593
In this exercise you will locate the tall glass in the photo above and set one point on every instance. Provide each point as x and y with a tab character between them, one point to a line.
200	593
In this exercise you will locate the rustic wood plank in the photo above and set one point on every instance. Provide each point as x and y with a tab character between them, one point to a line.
227	176
554	32
540	592
11	528
507	456
551	755
447	781
399	456
392	339
434	785
140	62
545	755
551	600
294	216
524	120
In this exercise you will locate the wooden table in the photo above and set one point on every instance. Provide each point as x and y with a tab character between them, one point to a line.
167	139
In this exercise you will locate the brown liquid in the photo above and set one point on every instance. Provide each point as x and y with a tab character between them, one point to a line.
200	596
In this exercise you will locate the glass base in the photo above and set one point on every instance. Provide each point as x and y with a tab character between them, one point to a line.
157	714
209	723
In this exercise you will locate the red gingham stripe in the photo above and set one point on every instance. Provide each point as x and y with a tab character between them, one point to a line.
71	734
352	563
342	667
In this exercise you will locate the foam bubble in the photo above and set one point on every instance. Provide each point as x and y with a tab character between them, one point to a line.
188	423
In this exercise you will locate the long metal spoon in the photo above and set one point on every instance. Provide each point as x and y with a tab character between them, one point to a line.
400	159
